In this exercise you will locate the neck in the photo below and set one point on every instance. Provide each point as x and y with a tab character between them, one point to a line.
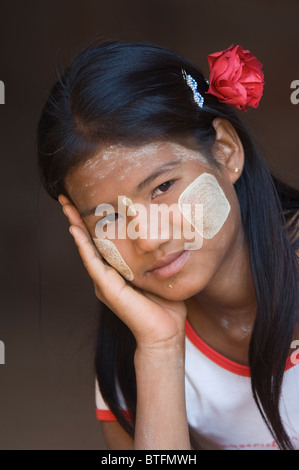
223	313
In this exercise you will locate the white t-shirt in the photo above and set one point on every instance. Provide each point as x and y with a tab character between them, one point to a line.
221	410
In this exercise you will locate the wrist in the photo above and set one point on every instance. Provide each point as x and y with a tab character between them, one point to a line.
168	352
161	419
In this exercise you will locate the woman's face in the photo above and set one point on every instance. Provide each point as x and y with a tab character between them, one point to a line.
135	202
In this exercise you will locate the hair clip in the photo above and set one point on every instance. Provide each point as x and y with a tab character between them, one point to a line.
198	98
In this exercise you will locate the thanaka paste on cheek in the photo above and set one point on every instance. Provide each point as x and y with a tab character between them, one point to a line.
111	254
205	190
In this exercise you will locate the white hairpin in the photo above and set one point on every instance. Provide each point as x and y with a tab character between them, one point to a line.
198	98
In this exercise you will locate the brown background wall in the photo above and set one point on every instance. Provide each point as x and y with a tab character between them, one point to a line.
47	384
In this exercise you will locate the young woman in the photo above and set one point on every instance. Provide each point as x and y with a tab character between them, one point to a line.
196	337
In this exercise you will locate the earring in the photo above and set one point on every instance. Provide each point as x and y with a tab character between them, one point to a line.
170	285
236	170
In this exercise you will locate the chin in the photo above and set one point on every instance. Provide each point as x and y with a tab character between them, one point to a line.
181	291
183	286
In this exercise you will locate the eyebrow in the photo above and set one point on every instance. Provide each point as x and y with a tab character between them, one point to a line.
159	171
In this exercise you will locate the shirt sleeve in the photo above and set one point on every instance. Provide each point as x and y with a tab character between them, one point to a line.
102	411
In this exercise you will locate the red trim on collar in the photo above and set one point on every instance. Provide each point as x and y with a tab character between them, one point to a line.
216	357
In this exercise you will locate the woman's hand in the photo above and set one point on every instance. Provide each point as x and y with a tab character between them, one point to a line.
154	321
159	329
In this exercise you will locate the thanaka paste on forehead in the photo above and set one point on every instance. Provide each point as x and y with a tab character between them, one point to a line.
134	154
205	190
133	157
111	254
117	154
137	155
185	154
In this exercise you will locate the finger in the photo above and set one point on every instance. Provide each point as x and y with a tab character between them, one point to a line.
75	219
69	209
63	199
110	287
92	259
124	300
74	216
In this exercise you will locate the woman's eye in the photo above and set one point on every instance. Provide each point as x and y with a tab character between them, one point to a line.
162	188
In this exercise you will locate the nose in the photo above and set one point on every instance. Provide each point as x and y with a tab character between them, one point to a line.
151	226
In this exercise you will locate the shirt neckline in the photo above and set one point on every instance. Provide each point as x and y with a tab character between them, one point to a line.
218	358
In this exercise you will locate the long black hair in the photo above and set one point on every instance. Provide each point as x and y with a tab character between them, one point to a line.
133	93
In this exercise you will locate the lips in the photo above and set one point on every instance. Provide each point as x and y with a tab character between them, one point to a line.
170	264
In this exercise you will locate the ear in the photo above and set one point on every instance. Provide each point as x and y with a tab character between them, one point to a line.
228	149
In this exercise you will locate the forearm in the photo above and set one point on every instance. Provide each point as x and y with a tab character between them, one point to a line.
161	421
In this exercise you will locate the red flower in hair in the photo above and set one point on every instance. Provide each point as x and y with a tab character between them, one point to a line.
236	77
